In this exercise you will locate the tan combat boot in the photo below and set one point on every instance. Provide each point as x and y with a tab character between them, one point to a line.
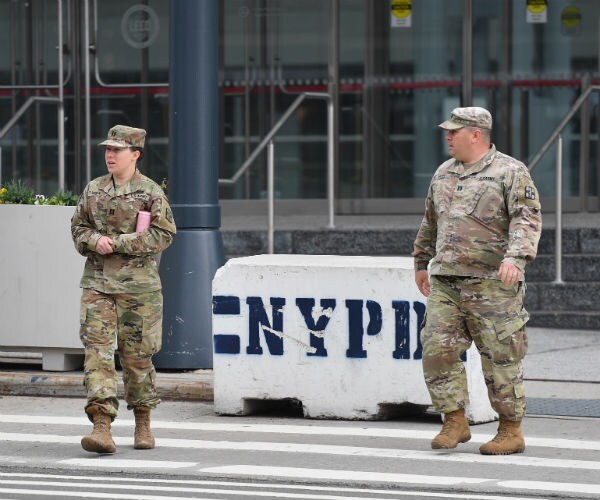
143	438
455	430
508	440
100	440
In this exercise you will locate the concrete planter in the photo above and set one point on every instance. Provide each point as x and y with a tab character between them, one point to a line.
39	285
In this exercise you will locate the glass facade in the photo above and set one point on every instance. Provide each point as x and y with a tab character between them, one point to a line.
401	67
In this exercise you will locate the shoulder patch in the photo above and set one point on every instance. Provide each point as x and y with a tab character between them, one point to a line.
530	193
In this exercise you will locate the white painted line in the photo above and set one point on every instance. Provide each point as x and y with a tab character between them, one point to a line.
321	430
347	475
246	486
253	446
93	494
277	494
342	475
109	462
254	494
590	489
12	460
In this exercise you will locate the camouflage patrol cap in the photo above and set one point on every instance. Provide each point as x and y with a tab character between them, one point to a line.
468	117
122	136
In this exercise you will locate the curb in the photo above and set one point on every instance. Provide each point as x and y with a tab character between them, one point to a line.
189	387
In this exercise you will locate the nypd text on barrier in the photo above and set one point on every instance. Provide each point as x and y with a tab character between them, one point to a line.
258	319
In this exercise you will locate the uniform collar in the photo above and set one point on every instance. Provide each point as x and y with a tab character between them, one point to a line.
458	167
134	184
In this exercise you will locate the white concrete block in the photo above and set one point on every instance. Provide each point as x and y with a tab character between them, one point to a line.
61	361
40	273
339	334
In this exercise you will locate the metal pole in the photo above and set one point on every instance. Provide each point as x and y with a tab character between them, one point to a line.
524	123
576	105
61	104
467	83
247	25
87	98
598	158
584	147
331	161
558	228
333	106
271	194
188	266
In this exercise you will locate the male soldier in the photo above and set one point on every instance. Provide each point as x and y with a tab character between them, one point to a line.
482	224
122	295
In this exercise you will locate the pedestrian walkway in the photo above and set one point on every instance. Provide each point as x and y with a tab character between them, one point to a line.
195	449
561	372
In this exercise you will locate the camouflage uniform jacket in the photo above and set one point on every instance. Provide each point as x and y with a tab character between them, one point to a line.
104	211
476	218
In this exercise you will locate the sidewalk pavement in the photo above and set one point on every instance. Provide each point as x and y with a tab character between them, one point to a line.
562	376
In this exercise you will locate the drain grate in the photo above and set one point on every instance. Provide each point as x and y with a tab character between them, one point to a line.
564	407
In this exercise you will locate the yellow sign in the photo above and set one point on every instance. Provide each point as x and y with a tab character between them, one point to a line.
571	16
401	13
401	8
537	6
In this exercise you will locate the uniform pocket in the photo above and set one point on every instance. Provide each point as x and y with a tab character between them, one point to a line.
152	336
82	313
506	327
486	204
442	195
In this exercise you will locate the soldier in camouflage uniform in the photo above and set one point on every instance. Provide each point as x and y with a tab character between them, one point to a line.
482	224
122	300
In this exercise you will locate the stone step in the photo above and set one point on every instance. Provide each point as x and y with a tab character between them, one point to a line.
570	320
563	297
379	241
575	268
322	242
573	304
574	241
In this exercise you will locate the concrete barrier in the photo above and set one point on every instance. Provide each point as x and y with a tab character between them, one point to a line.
39	285
339	335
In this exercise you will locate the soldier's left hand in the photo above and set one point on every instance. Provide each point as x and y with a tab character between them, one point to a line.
509	274
104	245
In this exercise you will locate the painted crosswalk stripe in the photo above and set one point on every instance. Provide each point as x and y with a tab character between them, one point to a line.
292	491
342	475
321	430
246	485
355	451
348	475
109	462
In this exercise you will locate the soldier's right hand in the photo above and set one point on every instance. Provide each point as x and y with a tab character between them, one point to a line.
104	245
422	281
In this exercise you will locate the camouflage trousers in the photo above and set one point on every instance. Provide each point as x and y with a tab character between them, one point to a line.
465	310
132	322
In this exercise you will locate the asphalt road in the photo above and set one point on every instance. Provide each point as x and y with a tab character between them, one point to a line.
203	455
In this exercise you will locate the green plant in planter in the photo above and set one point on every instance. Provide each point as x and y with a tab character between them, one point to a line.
17	192
62	198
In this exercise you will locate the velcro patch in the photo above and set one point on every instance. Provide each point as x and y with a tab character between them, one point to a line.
530	193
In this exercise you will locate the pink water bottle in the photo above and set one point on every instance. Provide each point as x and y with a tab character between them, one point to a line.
143	221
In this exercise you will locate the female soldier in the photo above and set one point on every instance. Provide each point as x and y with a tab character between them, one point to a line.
122	296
